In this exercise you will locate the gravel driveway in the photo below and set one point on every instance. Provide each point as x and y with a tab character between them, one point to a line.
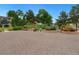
38	43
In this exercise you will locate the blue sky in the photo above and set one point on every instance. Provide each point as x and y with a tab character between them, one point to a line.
53	9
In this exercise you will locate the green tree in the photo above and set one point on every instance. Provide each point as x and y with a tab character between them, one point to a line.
11	13
15	21
44	17
62	19
18	22
74	14
20	14
16	17
21	20
58	23
30	17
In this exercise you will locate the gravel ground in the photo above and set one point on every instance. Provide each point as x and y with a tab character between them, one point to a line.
38	43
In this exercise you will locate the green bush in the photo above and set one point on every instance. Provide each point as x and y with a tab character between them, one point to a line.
43	26
53	28
17	28
1	30
25	27
69	27
47	28
38	27
35	29
29	26
10	28
50	28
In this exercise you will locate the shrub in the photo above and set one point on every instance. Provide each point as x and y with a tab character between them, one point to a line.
10	28
47	28
38	27
29	26
1	30
17	28
35	29
69	27
25	27
50	28
53	28
43	26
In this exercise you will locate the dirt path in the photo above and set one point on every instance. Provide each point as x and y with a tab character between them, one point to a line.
20	42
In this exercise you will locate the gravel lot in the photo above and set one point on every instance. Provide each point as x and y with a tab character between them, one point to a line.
38	43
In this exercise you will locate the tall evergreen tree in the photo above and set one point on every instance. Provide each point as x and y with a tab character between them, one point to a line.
11	13
30	16
44	17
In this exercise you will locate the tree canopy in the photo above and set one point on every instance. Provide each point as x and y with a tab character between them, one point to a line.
44	17
11	13
62	18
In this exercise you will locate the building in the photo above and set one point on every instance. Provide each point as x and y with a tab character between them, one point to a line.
5	21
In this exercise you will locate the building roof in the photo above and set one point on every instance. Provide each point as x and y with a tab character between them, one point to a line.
4	20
